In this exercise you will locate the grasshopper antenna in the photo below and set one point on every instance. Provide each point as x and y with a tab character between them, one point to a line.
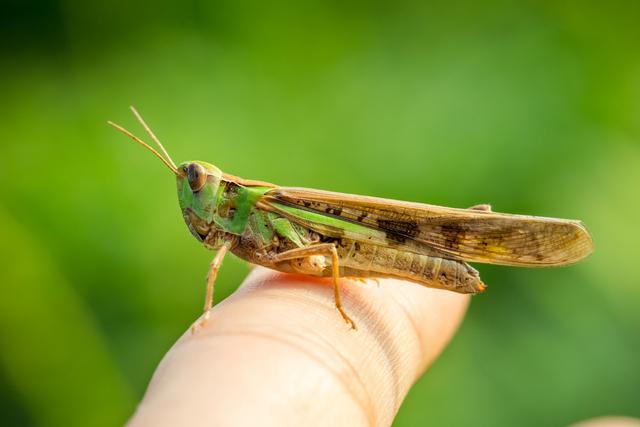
152	135
171	166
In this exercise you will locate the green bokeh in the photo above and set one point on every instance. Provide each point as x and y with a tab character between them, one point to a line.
534	107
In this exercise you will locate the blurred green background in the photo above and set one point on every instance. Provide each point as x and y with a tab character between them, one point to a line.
531	106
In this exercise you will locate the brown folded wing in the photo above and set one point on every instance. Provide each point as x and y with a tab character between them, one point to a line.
462	234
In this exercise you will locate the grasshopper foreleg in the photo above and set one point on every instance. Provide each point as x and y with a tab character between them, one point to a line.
214	267
325	249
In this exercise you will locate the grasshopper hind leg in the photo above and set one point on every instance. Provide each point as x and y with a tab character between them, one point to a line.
335	273
324	249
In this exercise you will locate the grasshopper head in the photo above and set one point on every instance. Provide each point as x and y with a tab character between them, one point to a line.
198	184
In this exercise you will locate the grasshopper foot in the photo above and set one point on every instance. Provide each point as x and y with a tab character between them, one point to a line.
347	319
200	323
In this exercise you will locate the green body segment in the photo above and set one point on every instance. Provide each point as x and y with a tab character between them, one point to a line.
202	203
241	204
330	222
225	207
221	202
284	228
231	208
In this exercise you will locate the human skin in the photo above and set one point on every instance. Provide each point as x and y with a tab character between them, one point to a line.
277	352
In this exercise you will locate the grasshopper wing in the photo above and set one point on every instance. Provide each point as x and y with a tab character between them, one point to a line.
461	234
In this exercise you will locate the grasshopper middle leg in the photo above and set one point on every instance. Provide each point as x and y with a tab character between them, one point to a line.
326	249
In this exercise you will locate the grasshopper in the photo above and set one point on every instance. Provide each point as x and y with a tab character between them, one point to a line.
322	233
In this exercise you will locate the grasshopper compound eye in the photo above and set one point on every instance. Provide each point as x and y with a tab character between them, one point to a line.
197	176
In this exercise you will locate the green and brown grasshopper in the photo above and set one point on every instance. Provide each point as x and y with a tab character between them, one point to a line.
321	233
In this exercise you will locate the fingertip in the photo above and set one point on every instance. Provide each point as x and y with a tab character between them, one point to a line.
280	338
